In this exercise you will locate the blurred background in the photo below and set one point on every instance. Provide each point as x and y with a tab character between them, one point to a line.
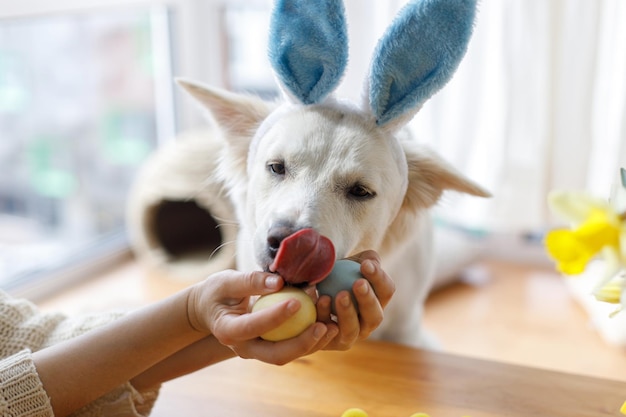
87	94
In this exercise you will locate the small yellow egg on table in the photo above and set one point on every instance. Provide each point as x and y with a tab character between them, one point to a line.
296	324
354	412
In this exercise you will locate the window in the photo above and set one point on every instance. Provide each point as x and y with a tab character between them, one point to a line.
248	68
84	98
86	94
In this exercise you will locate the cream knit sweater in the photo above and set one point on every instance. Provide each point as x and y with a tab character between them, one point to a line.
23	330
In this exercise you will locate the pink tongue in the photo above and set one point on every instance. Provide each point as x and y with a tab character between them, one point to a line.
305	256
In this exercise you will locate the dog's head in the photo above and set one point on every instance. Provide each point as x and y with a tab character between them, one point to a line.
317	162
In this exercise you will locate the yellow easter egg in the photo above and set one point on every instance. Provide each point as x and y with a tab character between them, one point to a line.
296	324
354	412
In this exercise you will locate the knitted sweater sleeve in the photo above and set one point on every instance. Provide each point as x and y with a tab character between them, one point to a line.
23	330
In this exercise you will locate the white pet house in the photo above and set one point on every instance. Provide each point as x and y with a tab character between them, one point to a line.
179	220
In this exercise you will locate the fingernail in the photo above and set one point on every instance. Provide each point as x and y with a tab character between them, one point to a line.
272	282
319	331
362	287
368	267
345	301
293	305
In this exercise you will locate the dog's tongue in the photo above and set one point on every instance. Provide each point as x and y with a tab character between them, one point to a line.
305	256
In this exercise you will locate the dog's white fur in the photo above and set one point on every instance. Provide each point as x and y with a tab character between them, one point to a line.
330	167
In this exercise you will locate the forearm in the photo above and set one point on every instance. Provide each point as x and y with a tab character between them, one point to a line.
82	369
200	354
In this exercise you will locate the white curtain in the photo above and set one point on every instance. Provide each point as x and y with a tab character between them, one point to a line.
538	103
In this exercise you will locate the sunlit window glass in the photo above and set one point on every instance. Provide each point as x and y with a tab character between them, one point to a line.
84	98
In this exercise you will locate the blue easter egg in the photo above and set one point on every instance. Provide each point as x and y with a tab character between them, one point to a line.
342	277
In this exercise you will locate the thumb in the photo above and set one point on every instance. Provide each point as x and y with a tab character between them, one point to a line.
250	283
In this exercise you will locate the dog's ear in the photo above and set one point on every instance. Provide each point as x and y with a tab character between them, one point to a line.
237	114
416	57
429	176
308	47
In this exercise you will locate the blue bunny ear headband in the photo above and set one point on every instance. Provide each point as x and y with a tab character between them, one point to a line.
415	58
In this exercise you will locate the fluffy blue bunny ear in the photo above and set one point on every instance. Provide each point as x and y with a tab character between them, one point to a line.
418	55
308	47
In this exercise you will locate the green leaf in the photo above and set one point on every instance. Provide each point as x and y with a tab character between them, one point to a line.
623	174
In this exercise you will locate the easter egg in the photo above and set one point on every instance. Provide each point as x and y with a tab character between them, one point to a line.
343	275
354	412
296	324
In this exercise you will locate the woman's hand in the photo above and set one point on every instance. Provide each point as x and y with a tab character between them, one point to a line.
372	295
220	306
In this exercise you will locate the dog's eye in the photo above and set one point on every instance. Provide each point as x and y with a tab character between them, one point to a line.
277	168
360	191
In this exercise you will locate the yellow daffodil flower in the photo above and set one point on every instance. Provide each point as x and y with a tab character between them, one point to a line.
597	228
611	292
573	249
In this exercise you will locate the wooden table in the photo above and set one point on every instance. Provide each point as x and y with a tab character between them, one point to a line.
387	380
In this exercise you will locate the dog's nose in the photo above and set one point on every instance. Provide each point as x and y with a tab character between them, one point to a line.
277	234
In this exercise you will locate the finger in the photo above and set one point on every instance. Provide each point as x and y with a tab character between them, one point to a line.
347	320
236	284
383	285
323	307
309	341
236	328
370	310
365	255
311	291
280	353
332	330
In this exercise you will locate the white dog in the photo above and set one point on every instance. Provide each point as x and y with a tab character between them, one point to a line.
351	173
